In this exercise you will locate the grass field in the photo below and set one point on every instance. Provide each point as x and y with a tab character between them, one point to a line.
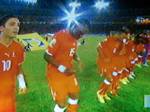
38	98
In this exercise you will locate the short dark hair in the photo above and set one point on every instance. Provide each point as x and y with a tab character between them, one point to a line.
5	18
140	39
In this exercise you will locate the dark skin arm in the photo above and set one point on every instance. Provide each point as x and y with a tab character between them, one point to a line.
50	59
98	50
77	59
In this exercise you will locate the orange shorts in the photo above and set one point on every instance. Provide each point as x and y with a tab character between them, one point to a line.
62	86
7	105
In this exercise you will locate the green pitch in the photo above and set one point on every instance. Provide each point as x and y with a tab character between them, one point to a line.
38	98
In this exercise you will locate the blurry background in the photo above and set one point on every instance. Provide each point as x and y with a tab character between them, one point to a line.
43	15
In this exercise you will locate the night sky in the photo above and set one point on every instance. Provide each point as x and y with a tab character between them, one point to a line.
87	6
132	4
114	4
117	4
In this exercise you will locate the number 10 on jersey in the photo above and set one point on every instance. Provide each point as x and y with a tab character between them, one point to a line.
6	64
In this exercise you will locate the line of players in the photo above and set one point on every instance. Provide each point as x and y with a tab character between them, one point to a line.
118	56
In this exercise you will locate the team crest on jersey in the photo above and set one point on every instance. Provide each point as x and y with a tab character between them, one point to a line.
6	54
13	54
74	44
52	43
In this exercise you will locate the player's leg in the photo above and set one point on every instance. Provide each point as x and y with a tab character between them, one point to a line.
60	99
131	75
139	61
58	91
124	76
106	84
73	90
115	85
102	92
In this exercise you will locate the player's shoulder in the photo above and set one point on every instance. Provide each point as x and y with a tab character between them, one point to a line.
61	35
61	32
57	38
112	38
18	44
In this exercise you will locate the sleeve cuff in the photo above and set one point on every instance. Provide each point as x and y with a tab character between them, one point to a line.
49	53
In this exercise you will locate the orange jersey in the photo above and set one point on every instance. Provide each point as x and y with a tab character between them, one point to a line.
140	48
111	46
131	53
130	47
10	59
107	49
133	47
62	48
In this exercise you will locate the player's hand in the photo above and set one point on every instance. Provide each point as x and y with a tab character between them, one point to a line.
22	91
69	71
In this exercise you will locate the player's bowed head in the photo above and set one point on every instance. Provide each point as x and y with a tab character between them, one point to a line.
140	39
79	29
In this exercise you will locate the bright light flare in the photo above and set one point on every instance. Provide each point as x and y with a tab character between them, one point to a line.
29	1
100	4
71	16
74	4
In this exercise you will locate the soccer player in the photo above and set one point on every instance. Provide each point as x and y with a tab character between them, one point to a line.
60	72
11	59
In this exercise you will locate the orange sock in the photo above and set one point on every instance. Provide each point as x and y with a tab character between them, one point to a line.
105	87
73	108
115	87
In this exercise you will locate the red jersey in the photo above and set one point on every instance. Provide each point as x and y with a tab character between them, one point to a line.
10	59
62	48
111	46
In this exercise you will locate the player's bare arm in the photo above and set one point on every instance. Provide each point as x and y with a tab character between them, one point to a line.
49	59
77	59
